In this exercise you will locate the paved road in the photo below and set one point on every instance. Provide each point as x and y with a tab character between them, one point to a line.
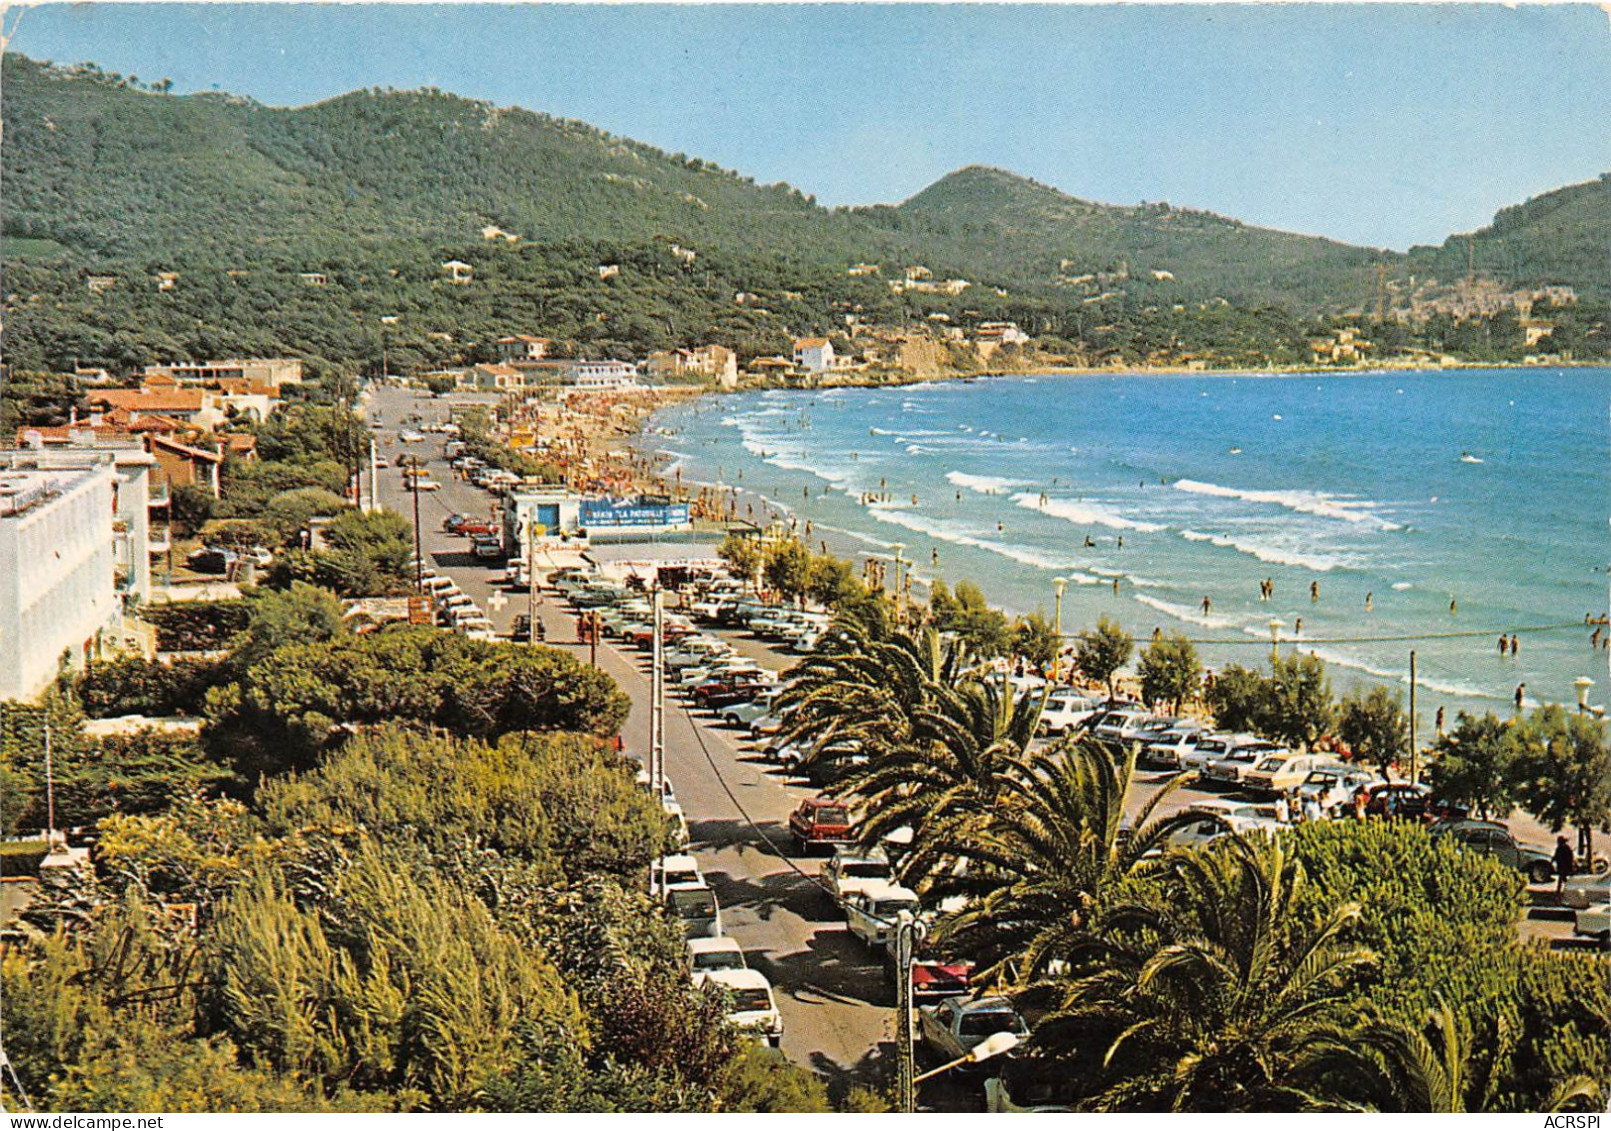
834	997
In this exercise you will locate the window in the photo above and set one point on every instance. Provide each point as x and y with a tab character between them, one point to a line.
986	1022
751	1000
865	870
833	815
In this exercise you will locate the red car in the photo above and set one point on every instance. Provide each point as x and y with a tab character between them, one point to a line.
821	822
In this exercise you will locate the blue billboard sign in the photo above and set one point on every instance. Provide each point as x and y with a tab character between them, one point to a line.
605	512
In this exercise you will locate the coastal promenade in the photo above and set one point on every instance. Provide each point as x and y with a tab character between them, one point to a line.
832	993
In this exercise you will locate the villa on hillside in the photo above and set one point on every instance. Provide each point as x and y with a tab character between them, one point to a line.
814	355
523	347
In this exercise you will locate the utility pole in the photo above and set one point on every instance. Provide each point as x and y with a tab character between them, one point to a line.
419	559
531	585
1415	767
657	703
50	796
593	638
905	1038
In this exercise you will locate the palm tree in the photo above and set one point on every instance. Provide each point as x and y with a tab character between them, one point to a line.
865	690
1438	1067
966	749
1219	998
1046	857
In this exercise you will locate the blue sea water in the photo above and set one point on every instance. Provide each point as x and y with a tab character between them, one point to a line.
1488	489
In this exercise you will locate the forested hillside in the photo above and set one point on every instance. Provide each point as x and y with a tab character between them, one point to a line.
1022	227
1560	237
141	226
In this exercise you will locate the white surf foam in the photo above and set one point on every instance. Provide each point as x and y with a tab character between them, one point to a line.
1182	612
984	484
1082	514
1317	503
1274	555
944	532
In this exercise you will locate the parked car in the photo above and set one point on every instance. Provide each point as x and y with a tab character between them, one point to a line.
212	559
675	871
1232	766
1594	922
423	483
488	548
1166	748
743	714
851	871
707	956
935	974
1063	712
872	913
1118	725
952	1027
820	822
696	909
1585	890
1397	799
1284	770
751	1007
1219	817
1494	839
1333	786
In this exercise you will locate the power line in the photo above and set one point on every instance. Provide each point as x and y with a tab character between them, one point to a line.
1489	633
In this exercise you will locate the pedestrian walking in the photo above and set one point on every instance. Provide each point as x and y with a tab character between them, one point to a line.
1314	592
1207	604
1283	811
1115	586
1521	694
1440	721
1565	864
1515	646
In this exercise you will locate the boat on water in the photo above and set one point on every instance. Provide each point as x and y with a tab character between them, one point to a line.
1467	457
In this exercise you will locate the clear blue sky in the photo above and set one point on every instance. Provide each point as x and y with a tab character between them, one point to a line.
1367	123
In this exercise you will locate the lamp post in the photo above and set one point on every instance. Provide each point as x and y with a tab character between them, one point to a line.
1582	683
1059	584
908	931
1275	641
993	1045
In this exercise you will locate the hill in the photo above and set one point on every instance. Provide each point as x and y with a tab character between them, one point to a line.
1559	237
1023	228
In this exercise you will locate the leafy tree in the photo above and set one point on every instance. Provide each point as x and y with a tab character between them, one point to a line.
742	555
134	685
969	616
1170	671
1035	640
1239	698
787	568
1561	770
1099	653
1300	707
190	508
1473	765
1373	725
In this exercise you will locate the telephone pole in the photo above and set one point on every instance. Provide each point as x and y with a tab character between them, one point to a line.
657	702
905	1038
1415	768
419	559
531	585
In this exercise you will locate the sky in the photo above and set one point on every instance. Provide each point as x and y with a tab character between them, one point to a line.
1386	125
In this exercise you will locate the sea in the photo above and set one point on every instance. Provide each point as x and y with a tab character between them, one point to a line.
1389	513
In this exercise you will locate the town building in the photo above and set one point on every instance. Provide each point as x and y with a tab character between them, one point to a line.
256	372
523	347
196	406
309	278
716	363
499	377
74	541
814	355
1001	333
596	375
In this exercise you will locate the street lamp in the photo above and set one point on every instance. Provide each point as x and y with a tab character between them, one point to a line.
1059	584
993	1045
1275	640
1582	683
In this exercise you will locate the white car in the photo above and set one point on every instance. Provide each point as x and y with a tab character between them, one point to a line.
679	823
1063	712
1167	748
751	1007
675	871
1333	786
1586	891
743	714
852	871
1594	922
708	956
871	913
1283	770
1220	817
1210	747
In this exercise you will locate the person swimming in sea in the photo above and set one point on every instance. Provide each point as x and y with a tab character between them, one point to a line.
1370	601
1088	543
1314	592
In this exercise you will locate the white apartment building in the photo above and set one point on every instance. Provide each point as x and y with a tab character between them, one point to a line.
60	541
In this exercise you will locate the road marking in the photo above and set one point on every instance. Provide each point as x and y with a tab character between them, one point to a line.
497	601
